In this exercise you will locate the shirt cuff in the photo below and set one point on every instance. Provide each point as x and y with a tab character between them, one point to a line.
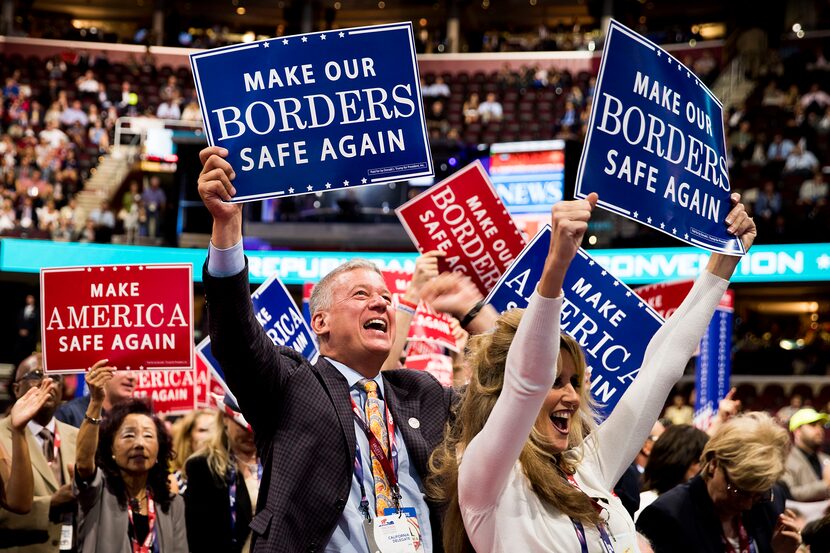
227	262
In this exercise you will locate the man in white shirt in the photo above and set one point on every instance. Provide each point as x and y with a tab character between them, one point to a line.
490	109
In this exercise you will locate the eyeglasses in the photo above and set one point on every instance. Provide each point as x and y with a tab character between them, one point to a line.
736	492
38	375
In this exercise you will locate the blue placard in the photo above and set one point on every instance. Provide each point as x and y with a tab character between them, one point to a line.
655	150
611	323
713	367
282	320
316	112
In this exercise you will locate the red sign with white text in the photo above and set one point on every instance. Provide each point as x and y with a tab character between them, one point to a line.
206	383
138	316
169	392
427	324
423	356
464	217
666	297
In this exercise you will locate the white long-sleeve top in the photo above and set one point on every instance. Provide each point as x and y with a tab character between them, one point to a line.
500	511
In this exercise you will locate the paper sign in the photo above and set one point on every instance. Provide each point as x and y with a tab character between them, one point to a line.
611	323
208	382
316	112
464	217
655	150
427	325
137	316
430	357
169	392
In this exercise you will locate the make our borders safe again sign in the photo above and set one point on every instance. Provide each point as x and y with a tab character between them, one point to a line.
611	323
346	103
655	151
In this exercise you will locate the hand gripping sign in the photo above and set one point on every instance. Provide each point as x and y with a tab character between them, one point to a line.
464	217
611	323
655	150
346	102
282	320
137	316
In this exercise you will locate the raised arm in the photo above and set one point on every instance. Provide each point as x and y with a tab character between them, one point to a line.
530	369
18	489
87	443
618	439
426	268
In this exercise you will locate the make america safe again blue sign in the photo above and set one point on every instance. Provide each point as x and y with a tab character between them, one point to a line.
655	150
316	112
611	323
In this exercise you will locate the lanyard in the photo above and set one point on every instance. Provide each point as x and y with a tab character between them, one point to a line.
232	490
151	523
377	449
607	545
745	545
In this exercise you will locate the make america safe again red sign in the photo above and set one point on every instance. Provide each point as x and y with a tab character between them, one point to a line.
137	316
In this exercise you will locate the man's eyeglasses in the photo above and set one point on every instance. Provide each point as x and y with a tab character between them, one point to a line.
38	375
736	492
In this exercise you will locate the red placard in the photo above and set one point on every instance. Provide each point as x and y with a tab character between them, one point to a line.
137	316
464	217
397	281
666	297
170	392
427	324
423	356
207	383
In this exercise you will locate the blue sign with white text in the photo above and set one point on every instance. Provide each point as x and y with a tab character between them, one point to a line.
611	323
713	367
316	112
655	151
282	320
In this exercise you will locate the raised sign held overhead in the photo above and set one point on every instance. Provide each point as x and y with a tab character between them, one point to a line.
655	150
138	317
346	102
464	217
611	323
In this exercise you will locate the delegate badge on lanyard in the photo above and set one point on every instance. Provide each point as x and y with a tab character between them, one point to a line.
412	522
392	534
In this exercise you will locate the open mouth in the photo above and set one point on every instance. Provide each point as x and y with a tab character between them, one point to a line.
561	421
375	324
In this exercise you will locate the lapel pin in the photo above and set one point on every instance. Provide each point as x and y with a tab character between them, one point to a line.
414	423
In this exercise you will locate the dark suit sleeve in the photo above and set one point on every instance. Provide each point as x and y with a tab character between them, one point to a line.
204	501
255	369
661	530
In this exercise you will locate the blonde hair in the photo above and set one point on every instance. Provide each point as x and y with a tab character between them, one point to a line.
752	447
544	470
182	442
217	450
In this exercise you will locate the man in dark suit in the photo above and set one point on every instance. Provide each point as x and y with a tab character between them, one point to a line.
310	438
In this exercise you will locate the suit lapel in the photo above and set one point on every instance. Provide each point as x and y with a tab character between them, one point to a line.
405	411
338	391
39	461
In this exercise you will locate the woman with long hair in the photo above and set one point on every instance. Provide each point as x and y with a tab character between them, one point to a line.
191	433
523	466
125	504
222	486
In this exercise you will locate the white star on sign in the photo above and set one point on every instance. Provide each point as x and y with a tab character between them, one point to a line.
616	283
823	262
290	190
342	35
309	188
674	231
636	214
628	294
322	37
662	225
363	180
686	236
328	185
265	45
640	304
305	39
649	220
345	183
604	273
591	263
285	41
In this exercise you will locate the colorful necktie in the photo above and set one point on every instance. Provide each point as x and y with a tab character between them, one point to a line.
377	424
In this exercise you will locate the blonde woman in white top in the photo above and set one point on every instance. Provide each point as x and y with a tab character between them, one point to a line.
524	467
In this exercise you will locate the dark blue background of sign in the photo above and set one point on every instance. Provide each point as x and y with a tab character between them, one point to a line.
219	75
275	298
622	57
713	367
634	331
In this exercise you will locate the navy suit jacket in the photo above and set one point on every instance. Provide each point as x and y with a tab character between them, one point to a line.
303	425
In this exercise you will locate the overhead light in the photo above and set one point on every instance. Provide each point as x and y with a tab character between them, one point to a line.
248	37
240	10
796	27
337	5
381	4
